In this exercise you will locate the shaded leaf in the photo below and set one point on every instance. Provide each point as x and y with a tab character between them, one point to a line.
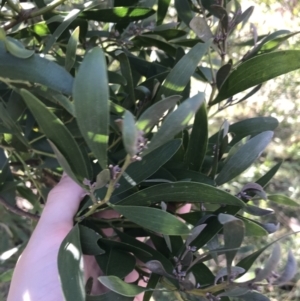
235	271
118	286
270	265
197	146
70	266
244	157
68	19
254	296
102	179
129	134
153	219
265	179
89	241
233	231
184	11
257	211
253	228
256	71
71	49
194	233
110	296
175	122
270	227
56	132
223	73
282	200
254	188
162	10
156	267
181	192
289	270
91	100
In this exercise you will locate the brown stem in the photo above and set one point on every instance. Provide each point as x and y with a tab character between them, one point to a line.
18	211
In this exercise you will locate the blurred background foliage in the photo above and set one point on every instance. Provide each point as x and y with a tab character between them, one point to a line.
279	98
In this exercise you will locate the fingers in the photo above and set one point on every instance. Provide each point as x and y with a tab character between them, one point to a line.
63	202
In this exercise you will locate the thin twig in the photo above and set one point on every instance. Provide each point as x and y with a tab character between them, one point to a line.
18	211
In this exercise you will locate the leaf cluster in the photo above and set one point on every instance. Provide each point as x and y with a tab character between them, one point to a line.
103	92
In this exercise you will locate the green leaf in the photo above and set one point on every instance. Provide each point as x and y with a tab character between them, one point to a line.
193	176
6	276
33	70
254	296
244	157
129	134
162	10
180	75
68	19
91	100
17	49
153	219
182	192
282	200
175	122
233	231
71	49
127	74
270	265
118	14
249	127
118	286
265	179
197	146
153	114
184	11
289	270
89	241
252	228
257	70
110	296
70	266
169	34
141	170
56	132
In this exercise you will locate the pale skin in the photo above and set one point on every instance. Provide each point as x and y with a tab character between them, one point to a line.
35	276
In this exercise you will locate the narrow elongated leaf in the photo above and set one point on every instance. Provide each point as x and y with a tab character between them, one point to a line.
223	272
257	211
254	296
162	10
56	132
184	11
200	27
89	241
256	71
71	49
126	72
180	75
197	146
33	70
129	134
110	296
289	270
118	14
233	230
182	192
153	219
91	100
253	228
70	267
17	49
137	171
244	157
175	122
118	286
270	265
282	200
152	115
72	15
265	179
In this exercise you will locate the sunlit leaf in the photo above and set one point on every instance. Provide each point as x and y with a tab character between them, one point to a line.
70	267
91	100
282	200
71	49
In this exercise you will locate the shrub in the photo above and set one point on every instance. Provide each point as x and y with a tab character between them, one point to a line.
103	92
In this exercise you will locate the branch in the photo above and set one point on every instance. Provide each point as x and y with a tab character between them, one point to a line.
17	210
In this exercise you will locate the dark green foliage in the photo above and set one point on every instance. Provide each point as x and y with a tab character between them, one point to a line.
111	105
